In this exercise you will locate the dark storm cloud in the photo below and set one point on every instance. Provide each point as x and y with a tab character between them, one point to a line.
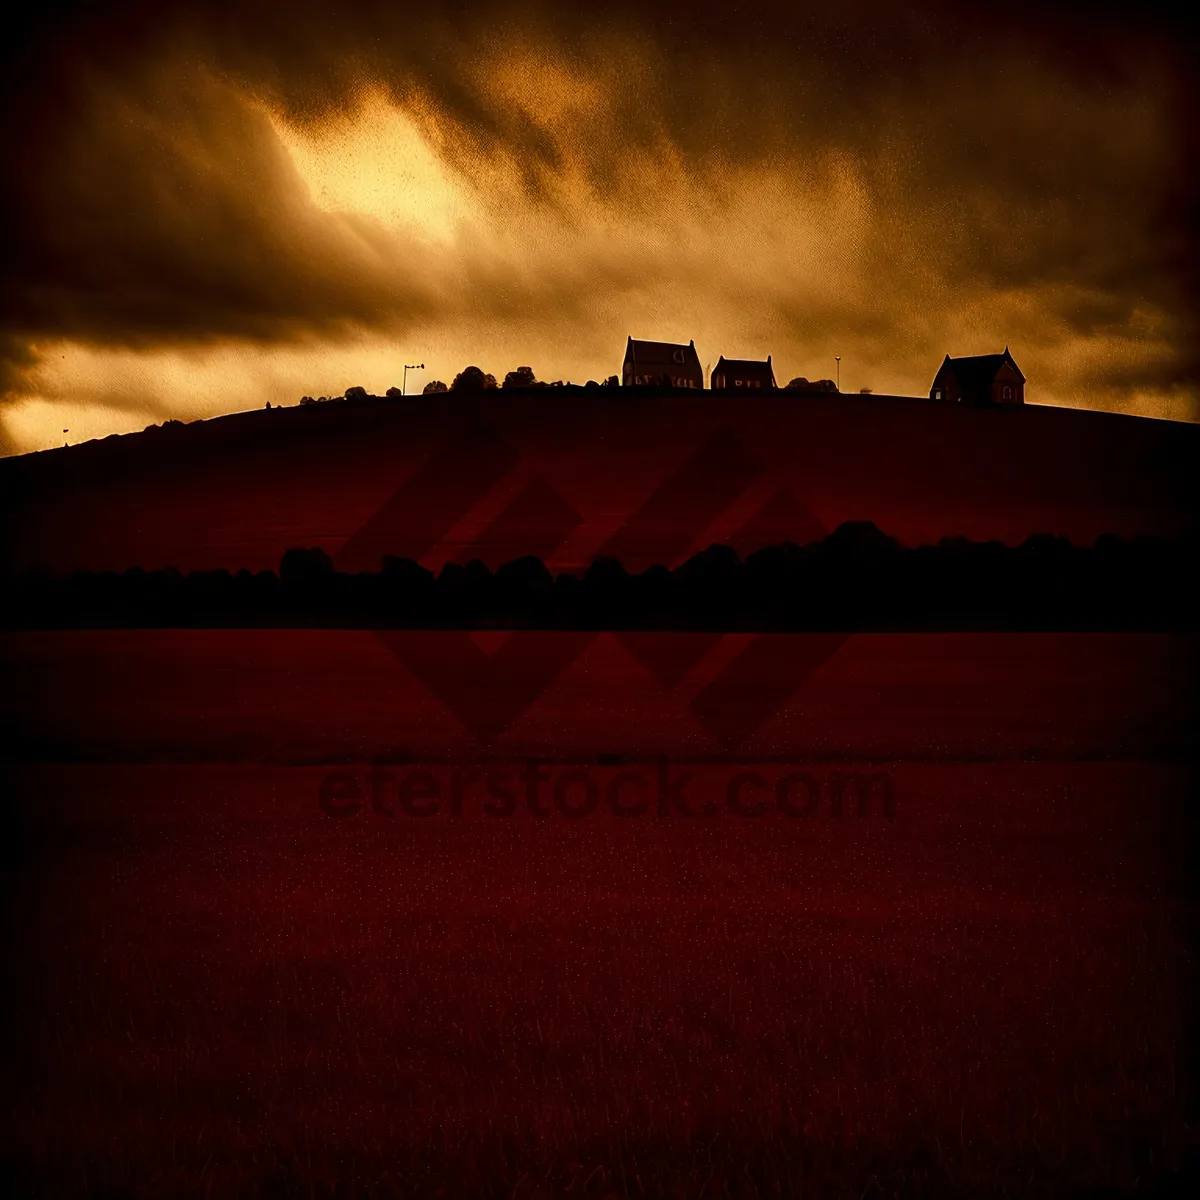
1043	150
164	205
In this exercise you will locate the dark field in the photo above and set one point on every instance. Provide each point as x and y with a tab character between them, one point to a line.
295	696
218	989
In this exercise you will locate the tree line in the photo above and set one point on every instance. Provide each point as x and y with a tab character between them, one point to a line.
469	379
857	578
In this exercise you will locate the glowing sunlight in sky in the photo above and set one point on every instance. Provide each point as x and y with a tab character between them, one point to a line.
377	162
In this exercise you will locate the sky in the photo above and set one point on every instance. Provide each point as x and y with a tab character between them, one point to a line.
213	205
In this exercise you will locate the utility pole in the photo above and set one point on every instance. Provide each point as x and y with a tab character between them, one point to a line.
409	367
837	358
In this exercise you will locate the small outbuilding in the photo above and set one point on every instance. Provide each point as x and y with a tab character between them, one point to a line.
661	364
980	379
739	373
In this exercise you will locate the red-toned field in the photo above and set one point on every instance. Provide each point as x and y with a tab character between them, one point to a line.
569	473
221	989
238	966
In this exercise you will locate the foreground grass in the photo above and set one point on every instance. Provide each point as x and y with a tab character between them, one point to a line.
222	995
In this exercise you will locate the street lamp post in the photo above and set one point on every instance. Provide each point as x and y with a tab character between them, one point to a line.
409	367
837	358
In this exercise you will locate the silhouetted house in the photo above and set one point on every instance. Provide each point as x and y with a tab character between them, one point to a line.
661	364
980	379
743	373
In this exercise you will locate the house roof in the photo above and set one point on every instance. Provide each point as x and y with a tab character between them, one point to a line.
979	370
662	353
745	364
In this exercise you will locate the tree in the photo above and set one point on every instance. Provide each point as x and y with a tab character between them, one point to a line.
393	393
472	379
434	385
356	393
522	377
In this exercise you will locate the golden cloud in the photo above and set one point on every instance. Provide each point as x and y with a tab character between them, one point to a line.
211	216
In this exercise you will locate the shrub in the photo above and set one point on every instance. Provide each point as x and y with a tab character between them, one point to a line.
434	385
522	377
800	384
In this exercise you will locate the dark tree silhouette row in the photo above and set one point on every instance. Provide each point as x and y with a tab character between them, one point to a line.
856	578
469	379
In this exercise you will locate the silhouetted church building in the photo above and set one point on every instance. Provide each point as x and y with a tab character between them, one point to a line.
661	364
980	379
742	373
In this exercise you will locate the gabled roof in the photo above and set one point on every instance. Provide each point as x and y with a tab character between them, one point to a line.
979	370
653	354
744	364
